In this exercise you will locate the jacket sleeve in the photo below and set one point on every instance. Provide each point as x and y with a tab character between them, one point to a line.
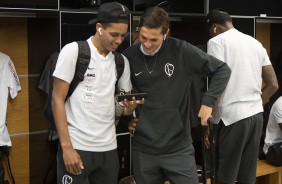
198	62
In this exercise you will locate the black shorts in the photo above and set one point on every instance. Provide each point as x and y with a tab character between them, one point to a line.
237	148
99	168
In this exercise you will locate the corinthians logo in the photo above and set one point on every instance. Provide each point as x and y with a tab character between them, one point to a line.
169	68
67	179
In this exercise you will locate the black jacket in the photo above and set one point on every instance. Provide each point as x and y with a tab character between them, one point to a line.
163	125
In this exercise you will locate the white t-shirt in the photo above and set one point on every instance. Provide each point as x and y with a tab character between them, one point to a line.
246	57
273	131
91	109
9	82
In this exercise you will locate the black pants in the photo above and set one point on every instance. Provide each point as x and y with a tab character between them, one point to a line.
178	167
99	168
2	170
237	148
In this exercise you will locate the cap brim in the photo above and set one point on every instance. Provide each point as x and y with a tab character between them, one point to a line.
93	21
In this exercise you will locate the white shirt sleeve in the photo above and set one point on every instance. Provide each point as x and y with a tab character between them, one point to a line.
265	61
215	50
12	79
277	111
125	82
65	67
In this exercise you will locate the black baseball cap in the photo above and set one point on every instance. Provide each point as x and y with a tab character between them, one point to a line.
112	12
217	16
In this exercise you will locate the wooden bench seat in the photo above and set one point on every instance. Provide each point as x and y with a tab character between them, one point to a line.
268	174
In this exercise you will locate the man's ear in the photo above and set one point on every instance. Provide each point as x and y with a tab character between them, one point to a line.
99	30
165	35
214	28
167	32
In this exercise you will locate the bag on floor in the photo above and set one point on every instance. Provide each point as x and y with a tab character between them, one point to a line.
274	154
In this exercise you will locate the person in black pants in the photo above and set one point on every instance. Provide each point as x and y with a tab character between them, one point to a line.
163	67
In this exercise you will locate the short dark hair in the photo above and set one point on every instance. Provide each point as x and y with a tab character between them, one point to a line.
155	17
217	16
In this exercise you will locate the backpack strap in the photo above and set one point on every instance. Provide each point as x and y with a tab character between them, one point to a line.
82	63
119	67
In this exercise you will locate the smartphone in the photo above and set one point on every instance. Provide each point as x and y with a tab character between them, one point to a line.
138	96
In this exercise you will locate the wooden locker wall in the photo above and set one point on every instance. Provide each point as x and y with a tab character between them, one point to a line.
13	42
29	154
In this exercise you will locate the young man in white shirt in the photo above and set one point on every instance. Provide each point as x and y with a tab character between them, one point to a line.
241	104
85	122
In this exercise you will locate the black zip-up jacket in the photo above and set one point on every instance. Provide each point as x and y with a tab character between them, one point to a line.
163	125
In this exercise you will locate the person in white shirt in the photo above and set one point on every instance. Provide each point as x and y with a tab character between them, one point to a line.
240	106
9	84
273	134
85	122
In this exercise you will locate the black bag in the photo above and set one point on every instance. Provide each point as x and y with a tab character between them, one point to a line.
82	63
274	154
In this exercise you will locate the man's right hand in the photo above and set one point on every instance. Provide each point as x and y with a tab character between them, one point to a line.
132	126
72	161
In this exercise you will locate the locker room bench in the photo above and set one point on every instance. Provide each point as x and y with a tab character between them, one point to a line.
268	174
208	182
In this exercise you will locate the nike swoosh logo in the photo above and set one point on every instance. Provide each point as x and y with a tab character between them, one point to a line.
136	74
90	68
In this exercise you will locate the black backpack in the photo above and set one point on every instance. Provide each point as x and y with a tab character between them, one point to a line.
82	63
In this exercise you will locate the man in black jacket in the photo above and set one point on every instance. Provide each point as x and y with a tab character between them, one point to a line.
163	66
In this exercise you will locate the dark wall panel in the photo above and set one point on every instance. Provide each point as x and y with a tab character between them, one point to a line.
75	27
172	6
276	55
43	40
249	7
191	29
245	25
37	4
